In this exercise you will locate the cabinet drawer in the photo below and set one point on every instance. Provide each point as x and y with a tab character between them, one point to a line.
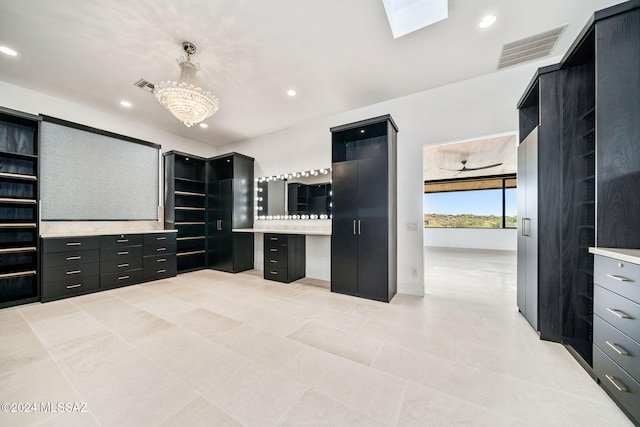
120	240
59	259
70	287
618	311
159	239
619	347
275	273
64	244
159	267
125	254
275	240
620	385
620	277
74	272
125	278
117	265
278	260
279	253
159	248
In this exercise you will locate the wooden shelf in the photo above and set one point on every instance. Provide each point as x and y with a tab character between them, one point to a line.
18	155
15	250
18	176
188	208
18	225
21	201
177	178
190	238
188	193
189	223
190	253
588	112
18	274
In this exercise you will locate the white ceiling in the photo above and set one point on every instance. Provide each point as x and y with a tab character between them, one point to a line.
478	153
337	54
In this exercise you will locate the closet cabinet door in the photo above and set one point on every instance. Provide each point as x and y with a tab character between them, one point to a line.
372	228
344	241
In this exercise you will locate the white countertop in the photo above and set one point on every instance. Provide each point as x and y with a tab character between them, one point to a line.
628	255
102	233
313	231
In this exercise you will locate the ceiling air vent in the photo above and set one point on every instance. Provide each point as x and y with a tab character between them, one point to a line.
529	48
144	85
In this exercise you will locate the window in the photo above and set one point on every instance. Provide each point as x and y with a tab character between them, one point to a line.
471	203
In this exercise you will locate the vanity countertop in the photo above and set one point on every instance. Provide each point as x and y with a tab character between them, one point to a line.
314	231
628	255
104	233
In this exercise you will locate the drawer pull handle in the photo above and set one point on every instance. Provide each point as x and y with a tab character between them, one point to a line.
123	253
161	249
73	258
619	278
273	250
161	238
273	238
74	286
161	271
618	313
161	260
74	244
273	261
613	380
69	273
274	272
617	348
123	265
123	277
122	240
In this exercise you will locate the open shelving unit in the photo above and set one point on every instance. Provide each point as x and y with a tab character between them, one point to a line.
185	207
19	243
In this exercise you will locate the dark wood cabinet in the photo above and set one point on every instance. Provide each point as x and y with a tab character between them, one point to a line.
230	192
79	265
19	210
363	241
284	257
185	207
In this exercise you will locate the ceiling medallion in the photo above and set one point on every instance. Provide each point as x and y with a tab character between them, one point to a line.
184	99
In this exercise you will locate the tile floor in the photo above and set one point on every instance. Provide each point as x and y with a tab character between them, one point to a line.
215	349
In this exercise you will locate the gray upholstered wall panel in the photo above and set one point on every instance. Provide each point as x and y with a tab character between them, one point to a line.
86	176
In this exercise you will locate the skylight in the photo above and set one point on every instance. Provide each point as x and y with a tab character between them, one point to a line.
406	16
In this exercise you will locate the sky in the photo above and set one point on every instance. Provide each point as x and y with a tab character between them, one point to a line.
480	202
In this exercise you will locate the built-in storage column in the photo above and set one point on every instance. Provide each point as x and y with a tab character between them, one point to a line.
284	257
363	240
19	242
184	207
230	189
120	260
616	321
70	266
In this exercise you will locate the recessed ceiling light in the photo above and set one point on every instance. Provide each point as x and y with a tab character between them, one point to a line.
361	130
8	51
204	125
125	104
487	21
291	92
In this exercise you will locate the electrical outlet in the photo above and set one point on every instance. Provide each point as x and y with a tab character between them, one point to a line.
412	226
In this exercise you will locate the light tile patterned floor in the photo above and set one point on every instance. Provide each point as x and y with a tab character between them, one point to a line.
215	349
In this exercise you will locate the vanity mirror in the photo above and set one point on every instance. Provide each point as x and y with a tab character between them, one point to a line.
299	195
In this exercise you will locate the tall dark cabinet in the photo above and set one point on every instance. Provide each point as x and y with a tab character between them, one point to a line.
185	207
19	242
363	240
230	205
586	113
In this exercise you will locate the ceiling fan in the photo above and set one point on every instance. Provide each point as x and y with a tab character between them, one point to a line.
466	169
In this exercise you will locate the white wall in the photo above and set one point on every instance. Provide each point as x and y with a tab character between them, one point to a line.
472	238
462	111
29	101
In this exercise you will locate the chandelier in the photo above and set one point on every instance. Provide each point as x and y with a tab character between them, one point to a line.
184	99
